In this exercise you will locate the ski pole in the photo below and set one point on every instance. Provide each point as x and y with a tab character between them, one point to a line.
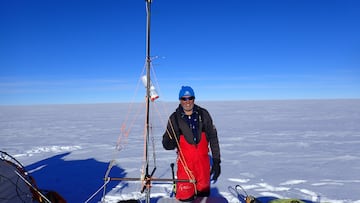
173	176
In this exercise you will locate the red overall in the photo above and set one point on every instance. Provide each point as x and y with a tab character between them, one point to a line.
197	160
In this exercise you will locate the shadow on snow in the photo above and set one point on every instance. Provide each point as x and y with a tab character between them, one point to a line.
75	180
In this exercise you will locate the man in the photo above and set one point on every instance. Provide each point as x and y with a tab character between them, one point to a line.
190	130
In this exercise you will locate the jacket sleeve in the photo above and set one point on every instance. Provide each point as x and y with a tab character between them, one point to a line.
212	136
170	135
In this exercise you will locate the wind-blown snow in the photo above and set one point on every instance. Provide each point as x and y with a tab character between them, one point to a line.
305	149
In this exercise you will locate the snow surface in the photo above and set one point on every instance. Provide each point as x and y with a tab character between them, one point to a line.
305	149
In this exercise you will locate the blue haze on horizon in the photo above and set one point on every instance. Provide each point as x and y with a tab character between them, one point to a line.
92	51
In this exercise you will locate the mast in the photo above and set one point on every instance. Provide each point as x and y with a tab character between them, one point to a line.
148	66
147	177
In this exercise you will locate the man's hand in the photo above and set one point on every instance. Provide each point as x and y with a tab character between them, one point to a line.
215	170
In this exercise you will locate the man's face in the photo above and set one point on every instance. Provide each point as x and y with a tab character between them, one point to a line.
187	103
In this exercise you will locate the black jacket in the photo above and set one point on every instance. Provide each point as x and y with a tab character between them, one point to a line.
178	125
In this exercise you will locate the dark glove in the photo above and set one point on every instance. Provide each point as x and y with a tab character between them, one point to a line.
215	170
168	144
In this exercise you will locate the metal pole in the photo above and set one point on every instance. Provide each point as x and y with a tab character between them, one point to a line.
152	179
148	65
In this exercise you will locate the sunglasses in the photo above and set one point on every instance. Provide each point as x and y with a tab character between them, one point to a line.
187	98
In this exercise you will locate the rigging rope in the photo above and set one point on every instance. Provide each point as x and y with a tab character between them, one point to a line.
103	186
122	139
181	155
123	132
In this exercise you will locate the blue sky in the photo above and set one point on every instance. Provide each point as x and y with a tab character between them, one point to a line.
93	51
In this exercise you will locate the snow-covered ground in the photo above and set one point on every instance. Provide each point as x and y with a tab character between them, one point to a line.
305	149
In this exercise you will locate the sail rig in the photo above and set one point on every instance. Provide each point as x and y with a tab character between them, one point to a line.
151	95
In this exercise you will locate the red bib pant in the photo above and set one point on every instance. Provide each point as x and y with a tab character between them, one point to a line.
196	159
